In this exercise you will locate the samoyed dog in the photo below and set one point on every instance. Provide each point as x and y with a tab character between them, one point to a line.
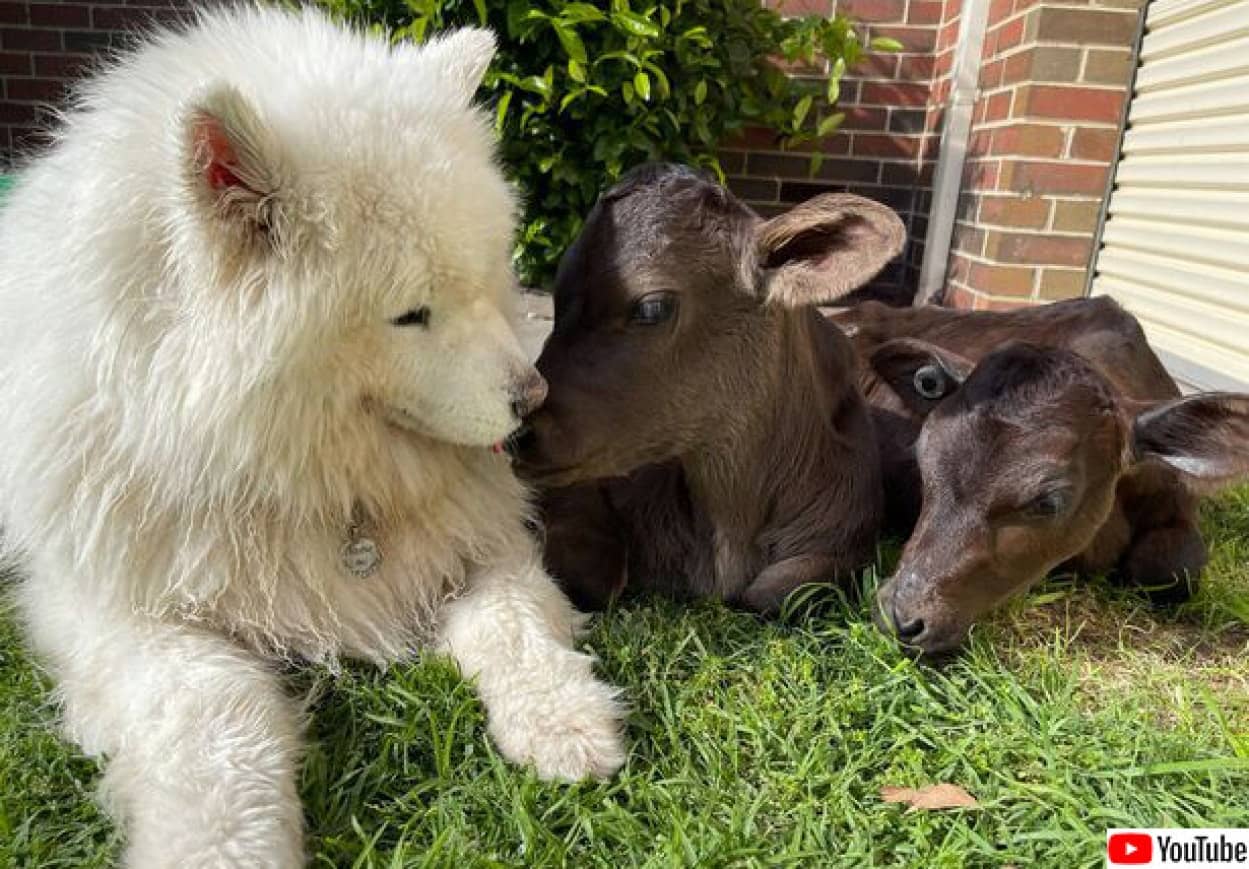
256	344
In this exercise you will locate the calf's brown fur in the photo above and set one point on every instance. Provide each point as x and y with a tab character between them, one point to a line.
703	434
1071	449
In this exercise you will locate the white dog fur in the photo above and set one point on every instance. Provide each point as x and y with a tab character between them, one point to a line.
202	388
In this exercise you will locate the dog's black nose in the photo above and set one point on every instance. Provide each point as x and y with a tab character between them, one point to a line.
907	631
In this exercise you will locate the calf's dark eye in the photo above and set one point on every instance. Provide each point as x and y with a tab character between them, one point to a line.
930	382
415	317
653	309
1047	505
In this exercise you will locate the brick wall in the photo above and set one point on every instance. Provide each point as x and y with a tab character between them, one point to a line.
1053	82
886	147
45	45
1054	76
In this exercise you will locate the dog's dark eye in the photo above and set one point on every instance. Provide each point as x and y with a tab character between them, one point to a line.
652	309
415	317
1049	504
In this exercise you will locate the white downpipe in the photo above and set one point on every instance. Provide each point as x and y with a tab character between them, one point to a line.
953	154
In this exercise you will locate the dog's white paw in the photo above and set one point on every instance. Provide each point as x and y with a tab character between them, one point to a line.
572	733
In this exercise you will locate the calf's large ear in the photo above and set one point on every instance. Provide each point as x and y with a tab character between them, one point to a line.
1205	437
820	250
920	374
233	165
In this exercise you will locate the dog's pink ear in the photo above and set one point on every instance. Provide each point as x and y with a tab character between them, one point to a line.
231	160
458	60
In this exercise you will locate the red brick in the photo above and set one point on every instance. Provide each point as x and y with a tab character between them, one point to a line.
878	65
959	297
1006	36
59	15
1089	144
61	65
1069	103
16	113
25	39
1030	212
34	89
873	10
997	107
12	13
925	12
1083	26
959	268
1001	280
1031	140
980	143
122	18
916	67
1078	215
1108	66
991	74
905	173
751	138
1059	284
801	8
877	93
918	40
1038	177
864	118
14	63
1000	10
981	175
1049	250
876	145
984	303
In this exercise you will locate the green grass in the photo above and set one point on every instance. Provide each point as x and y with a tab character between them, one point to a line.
761	744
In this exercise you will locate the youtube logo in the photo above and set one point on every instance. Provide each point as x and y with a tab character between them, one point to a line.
1130	849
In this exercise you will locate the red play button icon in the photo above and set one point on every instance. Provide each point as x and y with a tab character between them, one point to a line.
1130	849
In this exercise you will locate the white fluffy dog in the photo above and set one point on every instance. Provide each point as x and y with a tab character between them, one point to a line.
255	345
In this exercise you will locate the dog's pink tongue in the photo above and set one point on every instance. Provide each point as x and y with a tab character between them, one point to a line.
497	448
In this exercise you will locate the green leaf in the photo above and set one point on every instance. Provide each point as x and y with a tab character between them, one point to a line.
642	84
833	93
580	13
700	92
632	23
568	38
500	113
830	124
801	109
482	15
884	43
576	71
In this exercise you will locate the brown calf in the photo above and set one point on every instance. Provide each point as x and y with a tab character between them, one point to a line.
702	417
1073	448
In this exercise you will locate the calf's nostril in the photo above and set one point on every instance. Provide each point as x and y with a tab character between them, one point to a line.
518	440
907	630
529	395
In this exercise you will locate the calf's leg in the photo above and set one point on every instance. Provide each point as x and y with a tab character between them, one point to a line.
1165	562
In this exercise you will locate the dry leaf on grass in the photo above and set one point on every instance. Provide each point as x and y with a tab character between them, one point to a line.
940	796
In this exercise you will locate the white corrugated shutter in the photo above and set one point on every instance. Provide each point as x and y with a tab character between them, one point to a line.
1176	241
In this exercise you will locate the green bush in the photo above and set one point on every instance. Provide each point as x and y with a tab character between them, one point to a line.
582	91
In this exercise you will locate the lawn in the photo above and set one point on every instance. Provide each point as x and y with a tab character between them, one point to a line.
761	744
